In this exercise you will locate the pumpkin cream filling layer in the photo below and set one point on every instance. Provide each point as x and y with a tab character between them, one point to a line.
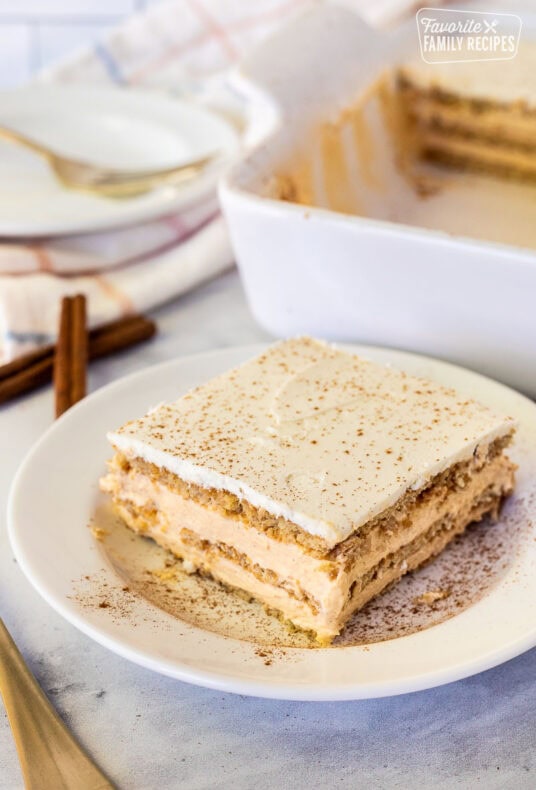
315	591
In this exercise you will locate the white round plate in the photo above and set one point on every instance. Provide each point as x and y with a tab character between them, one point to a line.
108	126
54	494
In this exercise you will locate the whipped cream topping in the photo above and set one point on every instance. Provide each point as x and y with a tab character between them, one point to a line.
324	438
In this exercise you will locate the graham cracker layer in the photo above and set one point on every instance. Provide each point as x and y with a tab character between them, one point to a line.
280	529
477	105
475	164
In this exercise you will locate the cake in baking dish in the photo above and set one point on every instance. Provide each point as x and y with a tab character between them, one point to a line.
479	115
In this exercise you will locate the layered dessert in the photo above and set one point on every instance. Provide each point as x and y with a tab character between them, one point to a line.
309	478
480	115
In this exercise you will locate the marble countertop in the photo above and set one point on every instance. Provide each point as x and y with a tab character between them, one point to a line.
148	731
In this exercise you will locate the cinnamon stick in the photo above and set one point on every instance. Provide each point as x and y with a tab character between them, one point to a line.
26	379
32	370
70	359
121	334
24	362
79	349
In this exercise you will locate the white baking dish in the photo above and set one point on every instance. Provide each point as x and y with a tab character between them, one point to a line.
379	281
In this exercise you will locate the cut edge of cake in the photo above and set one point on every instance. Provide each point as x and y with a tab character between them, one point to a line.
477	116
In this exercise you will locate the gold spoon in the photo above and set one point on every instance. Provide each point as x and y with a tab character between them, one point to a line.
48	753
106	181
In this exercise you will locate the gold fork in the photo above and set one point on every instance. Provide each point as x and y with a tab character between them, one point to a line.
48	753
106	181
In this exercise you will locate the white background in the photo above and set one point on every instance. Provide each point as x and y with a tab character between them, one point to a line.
35	33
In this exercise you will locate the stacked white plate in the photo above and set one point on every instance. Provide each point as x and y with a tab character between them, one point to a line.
111	127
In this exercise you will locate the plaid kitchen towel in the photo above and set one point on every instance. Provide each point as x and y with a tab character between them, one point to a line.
186	47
